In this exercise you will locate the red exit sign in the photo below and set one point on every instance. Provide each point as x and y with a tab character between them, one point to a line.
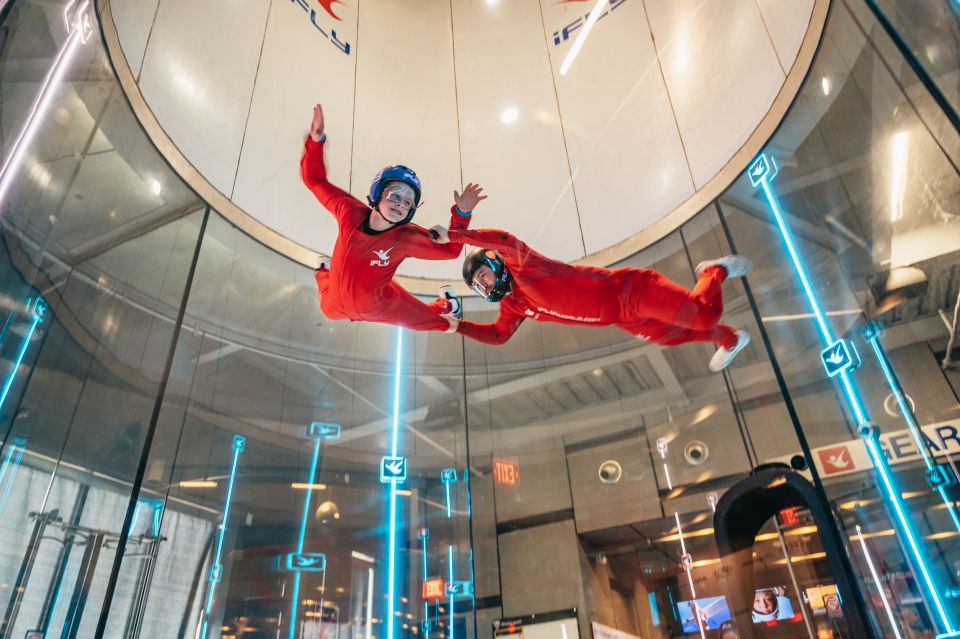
506	473
433	589
790	516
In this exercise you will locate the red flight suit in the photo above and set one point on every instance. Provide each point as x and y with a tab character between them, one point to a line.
638	300
359	284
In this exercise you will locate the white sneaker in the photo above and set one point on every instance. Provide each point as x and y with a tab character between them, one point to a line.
734	265
722	358
323	262
456	307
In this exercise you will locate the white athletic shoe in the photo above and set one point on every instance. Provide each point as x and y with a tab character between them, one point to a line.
722	358
323	262
457	308
734	265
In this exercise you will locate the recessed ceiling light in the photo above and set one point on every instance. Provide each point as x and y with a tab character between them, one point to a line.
198	483
509	115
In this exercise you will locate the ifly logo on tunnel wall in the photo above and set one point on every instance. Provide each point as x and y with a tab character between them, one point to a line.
328	7
838	357
562	35
393	469
316	18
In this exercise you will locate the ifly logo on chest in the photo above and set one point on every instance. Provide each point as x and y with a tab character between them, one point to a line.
327	7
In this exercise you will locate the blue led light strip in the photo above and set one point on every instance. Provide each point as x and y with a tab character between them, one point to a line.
763	164
392	550
894	384
446	487
37	318
216	570
449	590
426	603
295	600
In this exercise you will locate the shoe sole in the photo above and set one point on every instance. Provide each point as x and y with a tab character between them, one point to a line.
733	354
741	265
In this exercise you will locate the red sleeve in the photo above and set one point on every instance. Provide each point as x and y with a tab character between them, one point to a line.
495	239
421	244
495	333
458	222
314	175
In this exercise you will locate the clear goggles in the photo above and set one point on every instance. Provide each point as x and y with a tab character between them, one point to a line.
481	289
400	194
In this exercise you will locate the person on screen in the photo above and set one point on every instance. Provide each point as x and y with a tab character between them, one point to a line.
769	604
356	282
640	301
728	630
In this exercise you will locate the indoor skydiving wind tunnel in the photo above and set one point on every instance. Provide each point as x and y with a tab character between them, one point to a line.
191	449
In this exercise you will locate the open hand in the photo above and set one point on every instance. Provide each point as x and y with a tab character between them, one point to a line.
472	195
316	126
439	234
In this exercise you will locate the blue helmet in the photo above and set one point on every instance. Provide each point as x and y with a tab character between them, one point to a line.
395	173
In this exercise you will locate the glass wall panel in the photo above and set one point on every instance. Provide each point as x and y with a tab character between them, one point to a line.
98	236
311	402
573	472
931	31
861	181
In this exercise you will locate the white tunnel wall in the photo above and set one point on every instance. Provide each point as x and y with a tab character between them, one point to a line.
662	95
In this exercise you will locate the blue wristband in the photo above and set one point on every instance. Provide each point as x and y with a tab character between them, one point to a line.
462	213
323	138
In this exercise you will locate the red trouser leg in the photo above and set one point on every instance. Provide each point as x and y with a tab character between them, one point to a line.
403	309
328	304
652	295
670	335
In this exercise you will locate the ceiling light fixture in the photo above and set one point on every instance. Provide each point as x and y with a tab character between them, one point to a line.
898	177
198	483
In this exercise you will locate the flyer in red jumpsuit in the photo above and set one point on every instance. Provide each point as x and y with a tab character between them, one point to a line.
640	301
359	282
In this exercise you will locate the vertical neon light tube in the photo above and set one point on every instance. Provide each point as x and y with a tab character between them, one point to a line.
446	487
894	385
688	567
426	603
662	447
761	172
42	103
392	542
369	625
216	570
295	600
876	580
37	308
450	600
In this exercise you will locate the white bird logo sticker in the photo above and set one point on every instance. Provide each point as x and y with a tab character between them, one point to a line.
840	460
383	257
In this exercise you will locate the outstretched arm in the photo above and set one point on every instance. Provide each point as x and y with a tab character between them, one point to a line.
494	333
427	247
314	173
493	239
